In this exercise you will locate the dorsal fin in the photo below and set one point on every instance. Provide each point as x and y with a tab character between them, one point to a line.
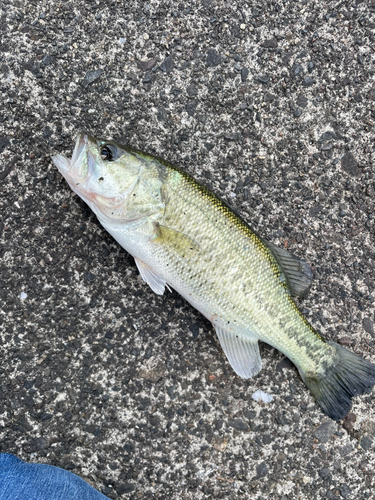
297	271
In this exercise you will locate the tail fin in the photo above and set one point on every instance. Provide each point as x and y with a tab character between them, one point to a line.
349	376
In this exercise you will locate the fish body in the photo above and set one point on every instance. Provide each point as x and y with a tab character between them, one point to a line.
182	235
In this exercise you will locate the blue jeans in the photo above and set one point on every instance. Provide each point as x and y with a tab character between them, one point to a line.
22	481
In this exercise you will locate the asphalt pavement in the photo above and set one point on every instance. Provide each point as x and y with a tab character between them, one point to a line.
272	106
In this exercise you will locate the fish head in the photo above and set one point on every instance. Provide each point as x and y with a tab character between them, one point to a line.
118	183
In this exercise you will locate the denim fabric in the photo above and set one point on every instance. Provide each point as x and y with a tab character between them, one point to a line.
22	481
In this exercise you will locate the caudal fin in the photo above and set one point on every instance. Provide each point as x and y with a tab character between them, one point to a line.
349	376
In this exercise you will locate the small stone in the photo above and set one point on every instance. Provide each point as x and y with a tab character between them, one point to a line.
368	427
310	67
167	65
297	70
345	341
238	424
302	101
242	26
349	421
315	210
349	165
270	44
264	79
125	488
4	143
327	136
192	90
213	58
90	77
38	444
324	473
262	470
345	491
47	132
346	449
47	60
194	328
368	326
146	65
220	443
325	431
297	113
308	81
244	74
153	374
366	443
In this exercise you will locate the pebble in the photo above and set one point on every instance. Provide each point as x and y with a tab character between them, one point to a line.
325	431
213	58
262	470
125	488
91	76
38	444
366	443
345	450
146	65
368	326
238	424
302	101
47	60
324	473
308	81
349	165
167	65
264	78
4	143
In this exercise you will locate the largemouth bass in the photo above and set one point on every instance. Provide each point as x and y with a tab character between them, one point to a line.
180	234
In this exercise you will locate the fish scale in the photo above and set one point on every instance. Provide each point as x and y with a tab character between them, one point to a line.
180	234
229	254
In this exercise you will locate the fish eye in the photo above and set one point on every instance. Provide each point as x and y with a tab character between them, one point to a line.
108	152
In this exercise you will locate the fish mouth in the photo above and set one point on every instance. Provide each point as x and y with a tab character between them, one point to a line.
79	171
79	156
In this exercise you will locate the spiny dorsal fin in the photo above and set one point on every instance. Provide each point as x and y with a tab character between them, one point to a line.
242	352
298	273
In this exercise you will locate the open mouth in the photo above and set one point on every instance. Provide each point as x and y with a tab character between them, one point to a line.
79	156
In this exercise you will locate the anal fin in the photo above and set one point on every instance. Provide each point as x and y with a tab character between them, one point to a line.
242	352
156	282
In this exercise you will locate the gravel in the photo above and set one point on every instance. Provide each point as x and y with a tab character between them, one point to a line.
272	106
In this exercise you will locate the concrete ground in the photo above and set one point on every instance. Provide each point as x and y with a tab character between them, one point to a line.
272	106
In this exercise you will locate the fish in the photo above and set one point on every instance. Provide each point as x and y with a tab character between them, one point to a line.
183	236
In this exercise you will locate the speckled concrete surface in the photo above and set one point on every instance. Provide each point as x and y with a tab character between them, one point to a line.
271	105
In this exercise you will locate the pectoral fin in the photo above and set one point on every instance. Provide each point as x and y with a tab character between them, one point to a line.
298	273
156	282
242	353
181	243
